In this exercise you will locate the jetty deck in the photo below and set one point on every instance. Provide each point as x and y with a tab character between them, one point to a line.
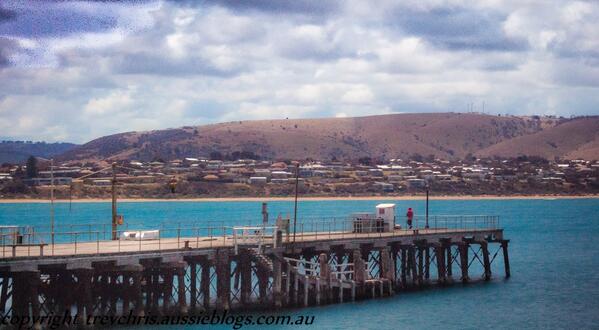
104	247
188	269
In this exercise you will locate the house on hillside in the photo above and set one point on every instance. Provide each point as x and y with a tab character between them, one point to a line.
257	180
416	183
384	187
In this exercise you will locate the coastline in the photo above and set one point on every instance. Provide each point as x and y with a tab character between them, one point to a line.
274	199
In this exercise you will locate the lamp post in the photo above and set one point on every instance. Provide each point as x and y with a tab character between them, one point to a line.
114	211
295	206
426	223
51	199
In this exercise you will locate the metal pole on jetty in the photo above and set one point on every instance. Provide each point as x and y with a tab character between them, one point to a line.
52	200
295	207
114	215
426	224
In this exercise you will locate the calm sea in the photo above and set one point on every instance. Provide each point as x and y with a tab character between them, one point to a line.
554	254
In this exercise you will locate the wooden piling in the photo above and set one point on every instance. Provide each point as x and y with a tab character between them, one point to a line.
449	259
486	263
440	255
168	275
277	280
412	264
427	263
6	282
245	266
506	257
205	283
420	265
464	260
193	285
84	292
223	279
138	306
404	265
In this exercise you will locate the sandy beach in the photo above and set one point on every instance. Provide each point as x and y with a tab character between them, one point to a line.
269	199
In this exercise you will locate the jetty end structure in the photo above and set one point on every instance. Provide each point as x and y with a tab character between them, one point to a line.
189	268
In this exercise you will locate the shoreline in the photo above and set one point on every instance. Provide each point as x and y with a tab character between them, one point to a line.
275	199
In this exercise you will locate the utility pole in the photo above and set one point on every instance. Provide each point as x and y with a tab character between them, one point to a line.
295	207
114	215
52	201
426	224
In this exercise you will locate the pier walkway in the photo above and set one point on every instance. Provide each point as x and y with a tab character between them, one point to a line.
188	268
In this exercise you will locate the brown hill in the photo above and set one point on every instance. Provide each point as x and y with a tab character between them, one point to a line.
446	135
576	138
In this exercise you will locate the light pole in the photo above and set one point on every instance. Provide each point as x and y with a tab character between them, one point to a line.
51	200
295	207
426	223
114	214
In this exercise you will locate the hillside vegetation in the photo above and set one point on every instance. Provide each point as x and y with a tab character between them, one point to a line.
443	135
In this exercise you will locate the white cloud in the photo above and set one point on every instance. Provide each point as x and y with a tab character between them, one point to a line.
160	64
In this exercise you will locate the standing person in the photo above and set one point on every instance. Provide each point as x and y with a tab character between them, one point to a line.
410	216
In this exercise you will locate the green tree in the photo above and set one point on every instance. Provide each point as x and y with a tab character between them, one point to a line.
31	167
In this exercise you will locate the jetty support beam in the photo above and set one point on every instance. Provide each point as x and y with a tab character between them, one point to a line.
506	257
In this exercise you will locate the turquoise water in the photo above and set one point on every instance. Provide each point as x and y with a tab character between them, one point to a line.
554	254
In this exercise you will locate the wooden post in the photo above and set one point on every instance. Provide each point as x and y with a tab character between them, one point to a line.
205	283
404	265
181	294
223	279
386	263
420	265
193	285
114	294
138	294
359	267
245	264
325	277
34	284
126	293
317	289
359	271
440	255
412	264
486	263
506	257
63	281
167	289
19	299
277	281
387	268
306	287
296	288
4	293
262	283
153	291
25	293
464	260
287	269
449	268
427	263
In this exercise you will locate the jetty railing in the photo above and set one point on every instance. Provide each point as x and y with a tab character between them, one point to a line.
90	239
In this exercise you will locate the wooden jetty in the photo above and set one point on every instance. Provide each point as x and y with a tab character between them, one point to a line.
189	269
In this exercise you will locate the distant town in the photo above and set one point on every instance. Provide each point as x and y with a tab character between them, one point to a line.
202	177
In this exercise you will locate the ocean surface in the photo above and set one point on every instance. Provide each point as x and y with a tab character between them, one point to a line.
554	255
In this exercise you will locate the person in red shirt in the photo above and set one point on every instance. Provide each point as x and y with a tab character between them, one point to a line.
410	216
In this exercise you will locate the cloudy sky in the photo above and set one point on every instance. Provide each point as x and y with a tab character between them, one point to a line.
73	71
